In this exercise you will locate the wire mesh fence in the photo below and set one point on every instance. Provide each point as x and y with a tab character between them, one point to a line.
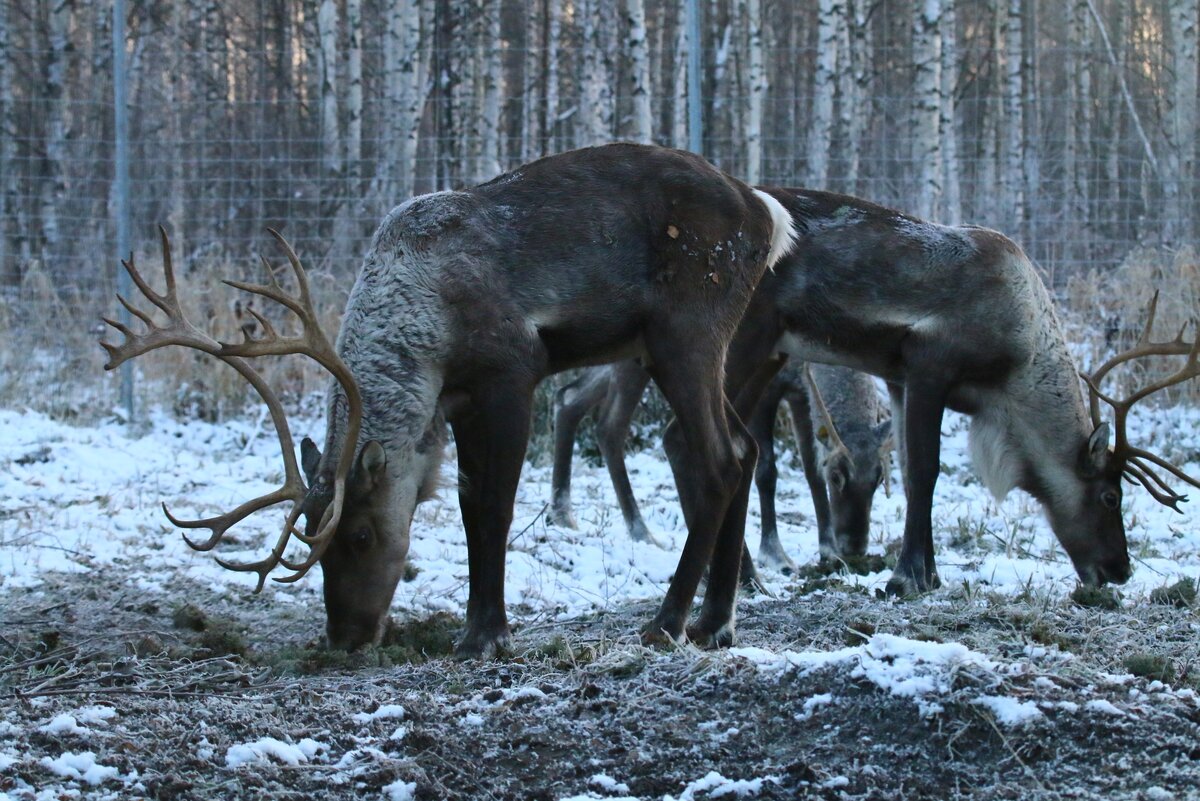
1069	126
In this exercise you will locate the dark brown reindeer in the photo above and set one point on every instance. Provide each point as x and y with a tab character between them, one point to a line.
842	478
465	301
955	317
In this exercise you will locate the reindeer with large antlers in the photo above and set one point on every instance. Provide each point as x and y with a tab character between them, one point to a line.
957	317
464	302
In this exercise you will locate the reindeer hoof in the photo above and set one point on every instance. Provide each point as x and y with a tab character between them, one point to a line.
905	585
639	533
773	558
563	518
712	636
659	633
484	645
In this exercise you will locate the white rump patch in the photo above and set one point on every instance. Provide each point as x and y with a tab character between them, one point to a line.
783	231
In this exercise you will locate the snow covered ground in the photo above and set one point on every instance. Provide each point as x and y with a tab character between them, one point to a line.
85	500
78	499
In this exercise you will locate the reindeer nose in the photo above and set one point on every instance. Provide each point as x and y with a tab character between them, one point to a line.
352	635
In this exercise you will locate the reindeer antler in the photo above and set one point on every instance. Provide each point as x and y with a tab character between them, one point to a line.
835	440
312	343
1136	462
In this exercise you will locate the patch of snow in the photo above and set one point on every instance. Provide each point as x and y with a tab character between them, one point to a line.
609	784
385	712
1010	711
472	719
267	748
400	790
80	766
717	786
8	760
1103	707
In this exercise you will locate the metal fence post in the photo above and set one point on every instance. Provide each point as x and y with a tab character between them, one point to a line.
121	125
695	120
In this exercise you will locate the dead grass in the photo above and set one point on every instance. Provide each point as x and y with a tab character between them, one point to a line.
55	364
582	697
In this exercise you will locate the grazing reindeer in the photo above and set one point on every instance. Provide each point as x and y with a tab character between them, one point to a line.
465	301
954	317
853	470
844	446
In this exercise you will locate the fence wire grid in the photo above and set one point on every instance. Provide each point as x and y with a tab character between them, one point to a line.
1070	126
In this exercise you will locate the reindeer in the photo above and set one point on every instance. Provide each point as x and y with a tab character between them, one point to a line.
853	472
956	317
844	441
465	301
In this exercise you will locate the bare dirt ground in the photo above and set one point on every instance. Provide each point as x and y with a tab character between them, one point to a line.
580	710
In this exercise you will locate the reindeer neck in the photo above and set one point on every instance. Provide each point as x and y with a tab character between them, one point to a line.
393	338
1032	438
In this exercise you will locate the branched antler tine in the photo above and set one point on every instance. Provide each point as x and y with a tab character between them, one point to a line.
1151	311
834	438
121	327
1134	463
268	329
264	566
220	524
164	302
1142	456
274	293
297	268
168	263
135	311
1167	498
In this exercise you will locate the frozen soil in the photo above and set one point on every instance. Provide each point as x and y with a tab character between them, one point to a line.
581	710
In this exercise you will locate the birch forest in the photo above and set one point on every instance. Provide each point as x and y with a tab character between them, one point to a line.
1069	125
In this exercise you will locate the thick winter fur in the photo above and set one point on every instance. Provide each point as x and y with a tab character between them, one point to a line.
950	317
467	299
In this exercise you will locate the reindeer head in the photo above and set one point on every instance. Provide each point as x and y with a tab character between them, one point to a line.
366	558
360	506
853	466
1094	536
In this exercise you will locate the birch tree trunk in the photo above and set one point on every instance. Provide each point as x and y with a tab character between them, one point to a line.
54	180
820	135
926	109
642	129
757	92
531	129
1012	167
553	35
404	98
848	97
948	123
354	99
1181	123
488	165
679	93
10	272
1079	150
331	145
596	114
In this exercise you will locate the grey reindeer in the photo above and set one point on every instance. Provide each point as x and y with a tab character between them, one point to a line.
840	432
955	317
465	301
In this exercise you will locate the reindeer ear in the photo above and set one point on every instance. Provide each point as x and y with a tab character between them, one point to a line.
310	459
1097	446
883	435
372	462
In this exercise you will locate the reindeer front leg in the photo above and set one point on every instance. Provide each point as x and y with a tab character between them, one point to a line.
924	405
491	441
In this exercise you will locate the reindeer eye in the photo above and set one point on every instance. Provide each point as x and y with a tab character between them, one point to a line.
359	538
1111	499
